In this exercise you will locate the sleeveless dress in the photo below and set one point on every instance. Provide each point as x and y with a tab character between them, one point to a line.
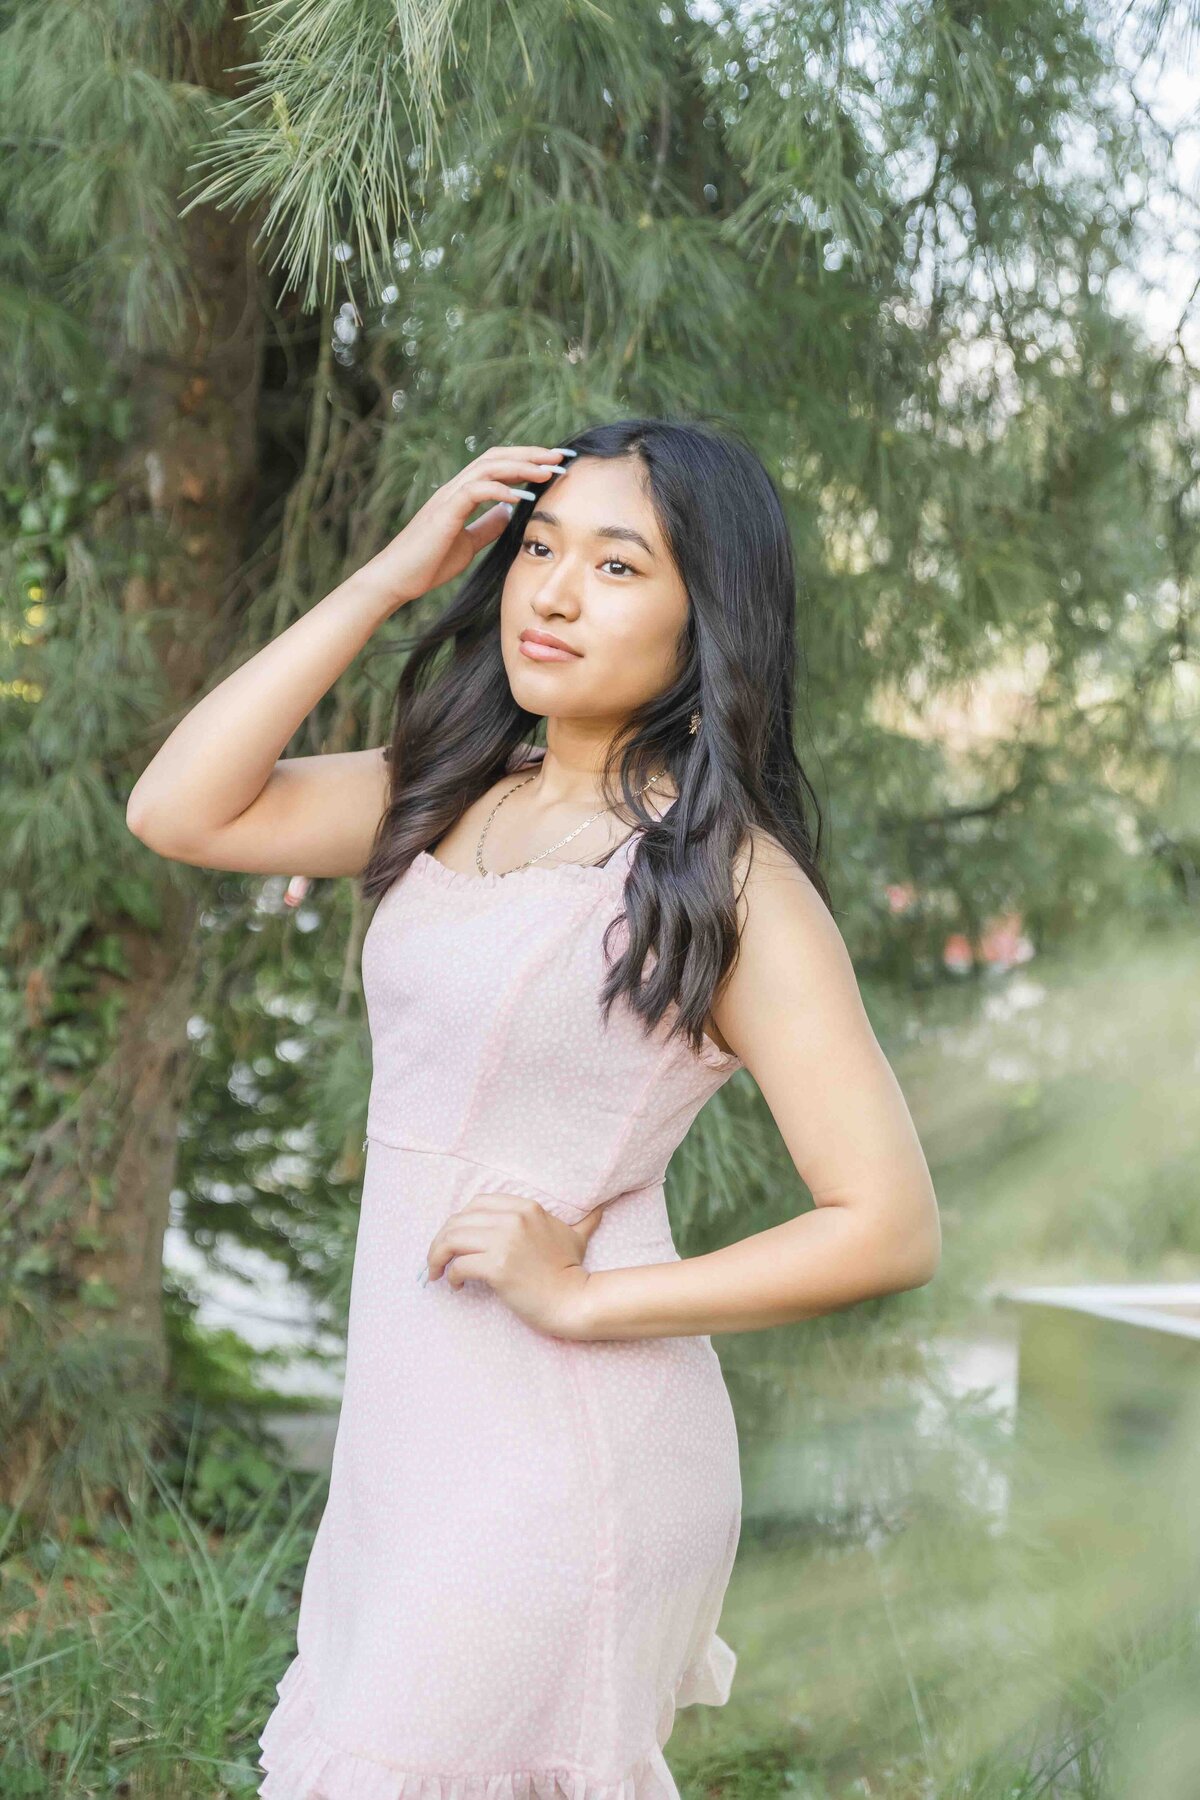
519	1571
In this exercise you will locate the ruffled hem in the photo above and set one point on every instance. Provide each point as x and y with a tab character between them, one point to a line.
300	1764
709	1680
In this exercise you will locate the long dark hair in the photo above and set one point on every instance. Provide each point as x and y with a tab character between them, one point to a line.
456	726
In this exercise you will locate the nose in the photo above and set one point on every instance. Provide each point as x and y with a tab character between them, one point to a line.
558	590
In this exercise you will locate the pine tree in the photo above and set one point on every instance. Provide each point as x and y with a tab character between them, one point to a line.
272	277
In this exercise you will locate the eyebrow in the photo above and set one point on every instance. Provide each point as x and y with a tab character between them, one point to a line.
624	534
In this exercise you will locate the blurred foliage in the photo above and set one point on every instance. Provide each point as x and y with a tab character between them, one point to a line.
860	235
895	246
885	243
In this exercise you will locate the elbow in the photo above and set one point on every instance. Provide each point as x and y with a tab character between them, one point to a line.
135	819
920	1274
920	1255
137	808
141	821
920	1260
908	1253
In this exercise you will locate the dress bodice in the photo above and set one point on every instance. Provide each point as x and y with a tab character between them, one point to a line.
489	1043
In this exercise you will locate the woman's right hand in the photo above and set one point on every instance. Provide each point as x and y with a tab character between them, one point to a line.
437	543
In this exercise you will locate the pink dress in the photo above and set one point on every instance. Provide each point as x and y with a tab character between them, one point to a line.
519	1571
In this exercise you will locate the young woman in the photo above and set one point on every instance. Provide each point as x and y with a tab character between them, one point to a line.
535	1498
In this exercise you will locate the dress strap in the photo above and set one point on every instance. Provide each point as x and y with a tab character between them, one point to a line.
617	848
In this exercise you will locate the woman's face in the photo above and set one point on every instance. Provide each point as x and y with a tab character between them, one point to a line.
594	570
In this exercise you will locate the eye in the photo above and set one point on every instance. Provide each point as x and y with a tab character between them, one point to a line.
531	543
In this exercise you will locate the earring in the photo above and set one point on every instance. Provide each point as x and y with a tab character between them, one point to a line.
694	724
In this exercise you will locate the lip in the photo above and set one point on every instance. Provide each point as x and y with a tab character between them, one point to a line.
543	646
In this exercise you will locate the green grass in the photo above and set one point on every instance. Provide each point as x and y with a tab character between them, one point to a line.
141	1660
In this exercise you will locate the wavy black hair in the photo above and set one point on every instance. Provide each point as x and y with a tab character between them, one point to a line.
457	726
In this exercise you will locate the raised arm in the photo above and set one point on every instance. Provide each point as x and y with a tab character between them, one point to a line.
217	793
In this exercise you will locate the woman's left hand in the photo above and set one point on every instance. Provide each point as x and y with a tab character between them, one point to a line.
528	1256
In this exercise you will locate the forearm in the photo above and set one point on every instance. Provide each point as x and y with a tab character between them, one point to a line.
219	757
813	1264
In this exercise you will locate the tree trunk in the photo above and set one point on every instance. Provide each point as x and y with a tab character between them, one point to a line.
197	451
97	1193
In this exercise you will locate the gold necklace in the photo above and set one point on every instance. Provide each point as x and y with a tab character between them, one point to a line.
533	859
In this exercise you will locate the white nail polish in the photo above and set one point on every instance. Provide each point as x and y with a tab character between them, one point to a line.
525	493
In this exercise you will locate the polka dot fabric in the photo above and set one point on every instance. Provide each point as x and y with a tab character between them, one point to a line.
519	1572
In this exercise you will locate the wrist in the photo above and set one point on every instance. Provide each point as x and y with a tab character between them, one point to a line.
587	1315
376	591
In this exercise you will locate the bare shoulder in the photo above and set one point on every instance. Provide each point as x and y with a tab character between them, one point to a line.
773	889
792	964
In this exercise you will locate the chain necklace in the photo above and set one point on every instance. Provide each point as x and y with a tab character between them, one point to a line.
553	847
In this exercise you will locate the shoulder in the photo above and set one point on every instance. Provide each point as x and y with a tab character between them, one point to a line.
763	865
792	980
781	911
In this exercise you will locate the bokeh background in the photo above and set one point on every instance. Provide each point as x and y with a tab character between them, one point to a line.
269	276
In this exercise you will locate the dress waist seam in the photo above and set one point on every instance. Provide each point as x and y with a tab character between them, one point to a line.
553	1202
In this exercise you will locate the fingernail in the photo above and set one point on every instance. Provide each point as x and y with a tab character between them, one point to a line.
423	1273
560	450
525	493
508	507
